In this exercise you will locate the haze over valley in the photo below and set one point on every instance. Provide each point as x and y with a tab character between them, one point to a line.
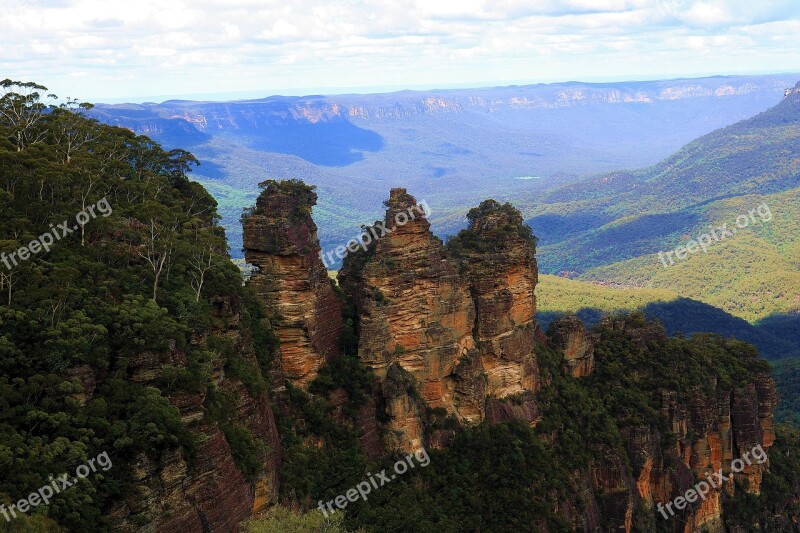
452	147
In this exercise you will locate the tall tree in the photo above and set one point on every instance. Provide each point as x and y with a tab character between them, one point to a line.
71	130
23	112
159	241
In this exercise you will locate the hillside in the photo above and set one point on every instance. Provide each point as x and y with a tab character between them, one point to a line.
612	229
757	155
453	147
558	296
758	264
125	333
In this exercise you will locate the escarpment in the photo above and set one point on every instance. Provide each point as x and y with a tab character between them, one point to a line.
280	239
714	424
448	332
207	490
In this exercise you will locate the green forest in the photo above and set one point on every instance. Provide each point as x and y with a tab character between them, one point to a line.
137	284
137	281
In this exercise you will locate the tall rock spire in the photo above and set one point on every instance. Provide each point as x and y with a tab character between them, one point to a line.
415	318
280	238
498	253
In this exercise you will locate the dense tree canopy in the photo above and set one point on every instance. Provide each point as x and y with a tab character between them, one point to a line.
134	273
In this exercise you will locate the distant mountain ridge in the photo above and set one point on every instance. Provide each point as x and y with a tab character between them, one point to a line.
454	147
320	108
611	228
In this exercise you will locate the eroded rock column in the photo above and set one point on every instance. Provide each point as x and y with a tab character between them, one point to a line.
280	238
498	255
415	312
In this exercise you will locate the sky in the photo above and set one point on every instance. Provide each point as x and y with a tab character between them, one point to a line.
111	50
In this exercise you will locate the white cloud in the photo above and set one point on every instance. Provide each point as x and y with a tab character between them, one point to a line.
116	47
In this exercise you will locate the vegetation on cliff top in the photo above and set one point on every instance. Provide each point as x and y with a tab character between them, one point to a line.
491	225
75	321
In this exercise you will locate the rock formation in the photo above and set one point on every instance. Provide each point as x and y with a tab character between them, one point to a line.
570	335
451	329
709	428
211	493
454	325
498	254
415	318
280	238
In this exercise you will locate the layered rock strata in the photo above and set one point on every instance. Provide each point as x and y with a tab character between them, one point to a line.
452	325
710	430
415	319
291	282
207	492
451	329
498	253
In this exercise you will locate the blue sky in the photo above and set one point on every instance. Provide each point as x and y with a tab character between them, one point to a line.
109	49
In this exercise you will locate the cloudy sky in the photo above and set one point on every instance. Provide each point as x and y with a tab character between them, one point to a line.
110	49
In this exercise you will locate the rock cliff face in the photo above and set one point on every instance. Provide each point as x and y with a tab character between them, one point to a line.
415	319
498	256
451	329
709	437
710	429
570	335
208	492
447	327
280	238
184	117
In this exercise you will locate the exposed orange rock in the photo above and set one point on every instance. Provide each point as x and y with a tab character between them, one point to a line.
459	320
570	335
712	430
280	238
415	315
499	257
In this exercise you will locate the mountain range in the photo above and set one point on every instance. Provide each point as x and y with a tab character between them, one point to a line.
711	149
453	147
617	228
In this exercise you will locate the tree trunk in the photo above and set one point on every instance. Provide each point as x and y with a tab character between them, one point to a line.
200	286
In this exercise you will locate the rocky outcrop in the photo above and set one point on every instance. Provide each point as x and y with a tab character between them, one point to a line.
404	407
206	492
415	317
292	284
570	335
498	254
449	331
458	320
711	428
520	407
